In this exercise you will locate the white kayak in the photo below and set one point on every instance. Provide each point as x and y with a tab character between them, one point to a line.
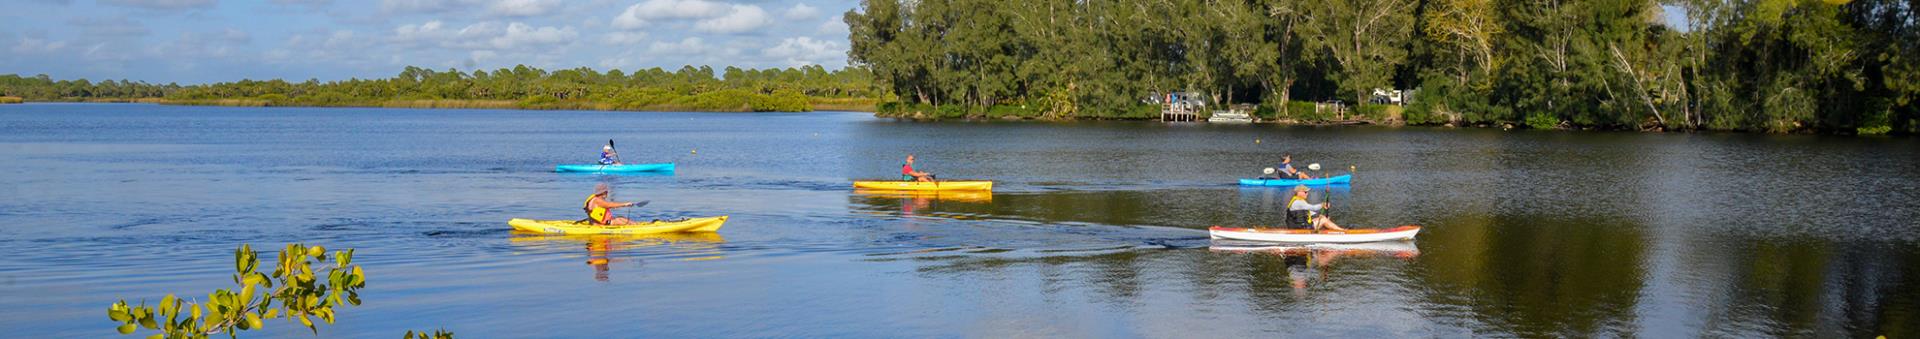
1405	249
1308	236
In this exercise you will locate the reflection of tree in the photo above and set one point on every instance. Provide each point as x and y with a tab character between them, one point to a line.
1811	287
1195	208
1122	277
1539	277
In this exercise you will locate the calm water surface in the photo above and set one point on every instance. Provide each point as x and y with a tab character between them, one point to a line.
1093	230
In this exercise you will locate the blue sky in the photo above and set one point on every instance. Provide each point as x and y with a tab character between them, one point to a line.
199	41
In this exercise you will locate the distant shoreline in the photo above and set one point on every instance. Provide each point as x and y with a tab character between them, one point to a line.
822	104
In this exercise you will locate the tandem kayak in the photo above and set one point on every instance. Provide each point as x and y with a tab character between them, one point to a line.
957	185
708	224
1343	179
1308	236
623	168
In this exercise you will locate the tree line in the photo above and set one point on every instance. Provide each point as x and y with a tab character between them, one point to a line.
689	88
1754	65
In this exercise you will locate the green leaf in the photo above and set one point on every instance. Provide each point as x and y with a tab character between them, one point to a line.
166	303
125	329
316	251
273	314
240	259
215	318
157	336
148	323
117	315
253	320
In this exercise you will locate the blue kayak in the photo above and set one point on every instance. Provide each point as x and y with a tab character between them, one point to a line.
1343	179
623	168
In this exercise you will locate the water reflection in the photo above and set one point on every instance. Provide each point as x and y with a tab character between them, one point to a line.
604	250
918	202
1309	262
1538	276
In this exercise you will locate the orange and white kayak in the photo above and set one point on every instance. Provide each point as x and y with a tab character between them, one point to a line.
1309	236
954	185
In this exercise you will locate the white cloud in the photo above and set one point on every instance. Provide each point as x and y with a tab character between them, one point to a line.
119	26
162	4
235	36
677	9
415	5
625	38
741	19
38	45
709	16
521	35
801	11
312	3
630	19
430	30
483	35
688	46
523	7
833	26
344	40
802	51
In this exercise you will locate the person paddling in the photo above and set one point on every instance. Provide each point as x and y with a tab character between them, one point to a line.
608	156
599	207
1303	215
908	174
1286	170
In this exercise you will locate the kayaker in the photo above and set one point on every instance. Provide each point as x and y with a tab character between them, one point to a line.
608	156
1287	171
599	209
1303	215
907	173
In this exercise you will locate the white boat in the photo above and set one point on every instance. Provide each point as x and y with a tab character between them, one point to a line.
1387	248
1230	117
1309	236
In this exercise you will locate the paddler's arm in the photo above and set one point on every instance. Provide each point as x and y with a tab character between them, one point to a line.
603	203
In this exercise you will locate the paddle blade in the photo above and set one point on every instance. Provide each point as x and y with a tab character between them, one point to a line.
642	203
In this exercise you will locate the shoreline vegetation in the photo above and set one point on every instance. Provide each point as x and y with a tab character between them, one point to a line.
687	89
1774	66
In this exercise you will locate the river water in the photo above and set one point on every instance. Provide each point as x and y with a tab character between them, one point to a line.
1094	229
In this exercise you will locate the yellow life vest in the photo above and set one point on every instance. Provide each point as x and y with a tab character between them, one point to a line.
1301	219
596	214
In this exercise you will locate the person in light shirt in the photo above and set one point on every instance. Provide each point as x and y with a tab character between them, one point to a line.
1304	215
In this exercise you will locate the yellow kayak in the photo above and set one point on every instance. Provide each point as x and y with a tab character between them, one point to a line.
708	224
958	185
950	195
